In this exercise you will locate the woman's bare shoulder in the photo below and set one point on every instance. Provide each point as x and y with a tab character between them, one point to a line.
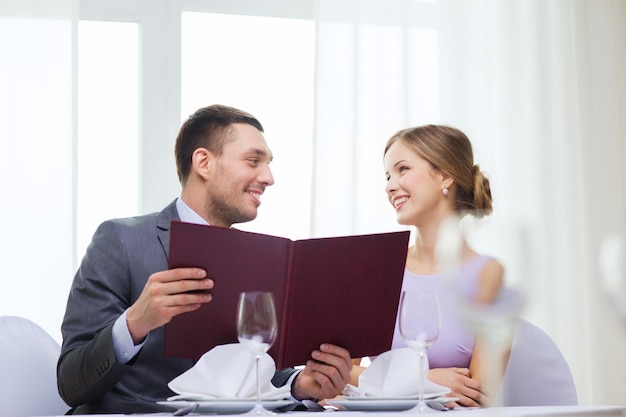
491	280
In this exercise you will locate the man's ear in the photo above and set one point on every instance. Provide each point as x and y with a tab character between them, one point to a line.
202	162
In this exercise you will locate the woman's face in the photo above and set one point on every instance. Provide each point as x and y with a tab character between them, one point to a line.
413	185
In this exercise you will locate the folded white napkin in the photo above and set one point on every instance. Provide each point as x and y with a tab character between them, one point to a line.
227	372
394	373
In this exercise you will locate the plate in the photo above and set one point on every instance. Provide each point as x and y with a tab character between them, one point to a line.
226	406
382	404
201	398
427	396
373	405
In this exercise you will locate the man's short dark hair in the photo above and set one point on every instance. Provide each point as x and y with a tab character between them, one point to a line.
208	127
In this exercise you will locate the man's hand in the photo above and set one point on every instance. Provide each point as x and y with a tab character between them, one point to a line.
325	376
466	389
165	295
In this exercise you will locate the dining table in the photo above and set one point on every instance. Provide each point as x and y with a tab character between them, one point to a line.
536	411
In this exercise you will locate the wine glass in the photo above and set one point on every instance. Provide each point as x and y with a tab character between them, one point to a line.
493	322
419	327
256	330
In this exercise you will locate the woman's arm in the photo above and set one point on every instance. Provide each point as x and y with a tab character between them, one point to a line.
489	285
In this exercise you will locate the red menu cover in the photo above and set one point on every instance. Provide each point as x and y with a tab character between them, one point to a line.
341	290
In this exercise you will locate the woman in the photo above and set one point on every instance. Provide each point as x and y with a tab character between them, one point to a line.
431	176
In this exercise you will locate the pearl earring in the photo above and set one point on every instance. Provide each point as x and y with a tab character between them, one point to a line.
444	192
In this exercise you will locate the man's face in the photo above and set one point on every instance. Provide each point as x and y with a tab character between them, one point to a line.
238	177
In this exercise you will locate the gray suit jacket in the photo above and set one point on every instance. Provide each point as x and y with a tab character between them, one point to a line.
122	255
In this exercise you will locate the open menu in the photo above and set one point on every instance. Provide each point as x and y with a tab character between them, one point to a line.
342	290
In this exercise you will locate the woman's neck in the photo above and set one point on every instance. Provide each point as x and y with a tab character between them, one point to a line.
421	257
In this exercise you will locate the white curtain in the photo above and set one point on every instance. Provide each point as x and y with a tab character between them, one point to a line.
36	158
540	88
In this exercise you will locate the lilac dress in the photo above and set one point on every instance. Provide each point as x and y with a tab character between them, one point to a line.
455	344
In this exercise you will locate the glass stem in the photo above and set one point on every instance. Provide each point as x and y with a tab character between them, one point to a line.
422	378
258	388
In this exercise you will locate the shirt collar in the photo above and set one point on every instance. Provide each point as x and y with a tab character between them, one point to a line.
186	214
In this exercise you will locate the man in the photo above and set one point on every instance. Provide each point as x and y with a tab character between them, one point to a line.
123	294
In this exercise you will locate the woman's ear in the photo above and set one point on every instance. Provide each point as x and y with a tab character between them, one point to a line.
446	181
201	162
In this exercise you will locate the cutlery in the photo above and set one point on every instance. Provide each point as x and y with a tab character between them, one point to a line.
312	405
285	408
186	410
436	405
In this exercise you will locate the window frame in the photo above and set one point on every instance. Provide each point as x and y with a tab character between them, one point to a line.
160	70
160	75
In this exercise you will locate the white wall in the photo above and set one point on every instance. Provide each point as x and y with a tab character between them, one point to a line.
37	159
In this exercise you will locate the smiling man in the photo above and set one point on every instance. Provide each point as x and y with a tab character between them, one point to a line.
123	294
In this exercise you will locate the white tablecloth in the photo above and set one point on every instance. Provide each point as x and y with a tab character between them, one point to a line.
556	411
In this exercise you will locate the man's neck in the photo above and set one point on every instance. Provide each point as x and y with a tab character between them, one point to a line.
188	214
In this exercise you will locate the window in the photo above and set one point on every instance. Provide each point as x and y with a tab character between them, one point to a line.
107	151
263	65
261	57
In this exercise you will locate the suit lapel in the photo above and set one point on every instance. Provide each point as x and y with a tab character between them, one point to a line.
164	220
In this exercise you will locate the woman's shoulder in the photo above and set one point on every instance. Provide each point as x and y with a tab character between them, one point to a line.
486	265
491	280
487	273
475	261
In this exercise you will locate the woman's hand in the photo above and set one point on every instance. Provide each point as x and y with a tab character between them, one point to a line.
467	390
